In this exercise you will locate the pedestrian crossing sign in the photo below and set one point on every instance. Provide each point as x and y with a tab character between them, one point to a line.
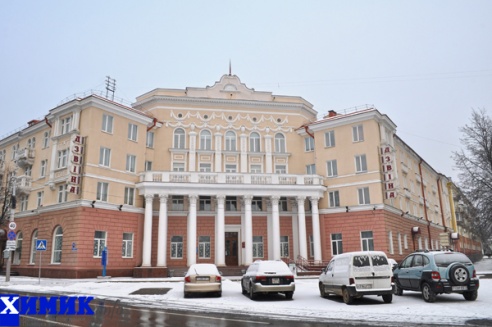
40	245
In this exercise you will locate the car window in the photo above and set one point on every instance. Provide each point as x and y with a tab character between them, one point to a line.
418	261
445	259
426	261
379	260
407	262
330	266
361	261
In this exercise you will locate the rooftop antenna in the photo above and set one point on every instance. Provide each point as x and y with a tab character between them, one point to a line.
230	69
110	87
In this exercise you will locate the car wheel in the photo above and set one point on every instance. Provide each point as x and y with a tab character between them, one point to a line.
243	290
289	295
218	294
470	296
398	290
459	275
387	298
252	294
186	295
427	293
322	290
346	296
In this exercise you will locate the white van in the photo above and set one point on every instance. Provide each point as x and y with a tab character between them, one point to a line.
355	274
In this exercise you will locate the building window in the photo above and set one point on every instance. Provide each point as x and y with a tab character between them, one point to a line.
405	242
230	168
280	169
129	196
204	247
99	243
205	167
65	125
176	247
254	142
357	133
390	240
102	191
28	171
256	204
150	140
230	141
62	193
132	132
205	203
205	140
46	139
330	139
336	244
148	165
309	144
56	256
34	239
331	168
311	169
231	203
257	246
18	249
364	195
107	124
279	143
177	203
255	169
44	164
367	241
400	251
23	202
39	202
179	138
178	166
282	204
104	156
360	164
127	248
31	143
131	162
284	246
334	199
62	158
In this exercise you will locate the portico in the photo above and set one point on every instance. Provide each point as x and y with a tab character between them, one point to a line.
272	187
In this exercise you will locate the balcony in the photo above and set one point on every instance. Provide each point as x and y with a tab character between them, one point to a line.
404	168
25	157
24	185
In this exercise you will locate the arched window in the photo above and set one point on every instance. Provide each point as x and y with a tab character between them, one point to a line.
18	249
34	238
254	142
279	143
57	245
205	140
230	141
179	138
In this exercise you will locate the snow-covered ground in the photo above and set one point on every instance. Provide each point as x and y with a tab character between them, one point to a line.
449	309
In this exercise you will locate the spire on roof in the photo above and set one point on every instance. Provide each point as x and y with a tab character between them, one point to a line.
230	69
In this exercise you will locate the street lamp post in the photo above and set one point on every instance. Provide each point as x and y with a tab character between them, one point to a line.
11	219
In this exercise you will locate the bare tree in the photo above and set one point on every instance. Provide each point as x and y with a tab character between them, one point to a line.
475	164
6	187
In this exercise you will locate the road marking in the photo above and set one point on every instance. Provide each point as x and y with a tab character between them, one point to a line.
49	322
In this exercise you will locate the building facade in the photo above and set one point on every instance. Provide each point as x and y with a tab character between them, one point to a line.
222	174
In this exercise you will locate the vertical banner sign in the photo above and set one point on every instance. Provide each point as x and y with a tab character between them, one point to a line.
77	146
389	170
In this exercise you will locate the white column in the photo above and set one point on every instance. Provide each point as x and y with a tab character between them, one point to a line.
162	232
220	236
191	241
275	228
147	232
218	151
248	233
301	214
268	154
316	229
295	228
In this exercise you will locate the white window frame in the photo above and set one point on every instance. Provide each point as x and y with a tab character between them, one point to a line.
311	169
176	247
258	247
390	240
132	132
204	249
255	169
330	139
334	199
367	242
284	246
308	144
230	141
46	139
331	168
44	165
102	191
177	202
254	142
100	241
129	196
364	195
280	146
107	124
62	158
231	203
360	163
280	169
205	140
205	167
65	125
179	137
231	168
358	133
56	253
62	193
127	246
336	243
148	165
149	141
104	157
32	254
131	163
178	166
40	199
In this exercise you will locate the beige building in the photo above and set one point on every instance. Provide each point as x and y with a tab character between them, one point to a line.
222	174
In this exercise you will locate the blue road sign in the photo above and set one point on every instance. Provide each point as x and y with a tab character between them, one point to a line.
11	235
40	245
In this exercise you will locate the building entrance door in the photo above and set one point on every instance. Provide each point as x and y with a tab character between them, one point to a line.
231	248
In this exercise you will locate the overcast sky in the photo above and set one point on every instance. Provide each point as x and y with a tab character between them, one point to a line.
426	64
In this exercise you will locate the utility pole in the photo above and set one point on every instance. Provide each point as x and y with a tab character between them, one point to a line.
11	219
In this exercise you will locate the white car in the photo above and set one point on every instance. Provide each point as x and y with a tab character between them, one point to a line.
203	278
268	276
